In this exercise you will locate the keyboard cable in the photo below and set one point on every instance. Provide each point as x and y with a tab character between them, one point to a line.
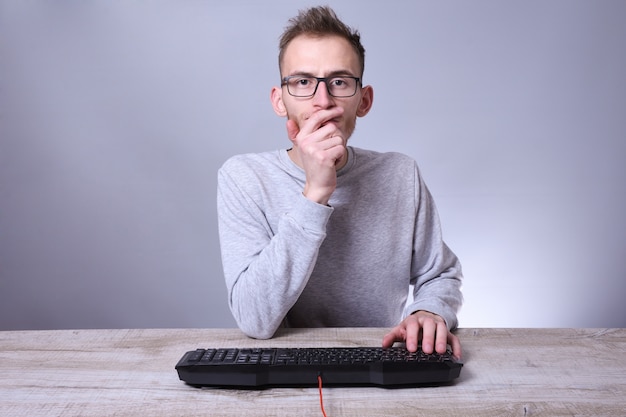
319	384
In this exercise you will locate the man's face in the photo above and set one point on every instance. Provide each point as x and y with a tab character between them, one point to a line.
322	57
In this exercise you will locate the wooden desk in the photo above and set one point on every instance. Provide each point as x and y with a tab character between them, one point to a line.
507	372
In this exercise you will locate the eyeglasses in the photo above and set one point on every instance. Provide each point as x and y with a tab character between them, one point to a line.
338	86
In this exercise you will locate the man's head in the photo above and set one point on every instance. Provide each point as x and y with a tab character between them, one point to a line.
321	66
320	22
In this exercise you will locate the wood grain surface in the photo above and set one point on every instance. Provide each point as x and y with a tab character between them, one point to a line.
507	372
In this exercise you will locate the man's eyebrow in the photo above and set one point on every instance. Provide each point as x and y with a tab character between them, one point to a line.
301	74
338	73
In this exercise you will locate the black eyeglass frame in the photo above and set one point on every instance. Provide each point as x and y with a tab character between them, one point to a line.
285	81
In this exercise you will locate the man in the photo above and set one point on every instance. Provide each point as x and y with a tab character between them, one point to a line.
326	234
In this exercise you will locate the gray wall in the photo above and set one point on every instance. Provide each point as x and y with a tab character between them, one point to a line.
115	117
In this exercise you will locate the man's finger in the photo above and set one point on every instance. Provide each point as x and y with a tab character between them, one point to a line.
292	129
319	119
394	335
412	334
429	328
441	337
455	344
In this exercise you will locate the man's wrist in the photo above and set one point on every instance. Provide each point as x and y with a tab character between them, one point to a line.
317	197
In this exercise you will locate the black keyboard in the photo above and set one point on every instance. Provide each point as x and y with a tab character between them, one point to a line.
300	367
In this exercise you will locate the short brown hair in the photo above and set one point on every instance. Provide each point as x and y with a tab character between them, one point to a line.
320	21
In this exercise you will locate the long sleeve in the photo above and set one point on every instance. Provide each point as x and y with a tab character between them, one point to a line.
267	261
435	270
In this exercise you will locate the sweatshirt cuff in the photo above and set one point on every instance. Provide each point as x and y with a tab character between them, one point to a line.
311	216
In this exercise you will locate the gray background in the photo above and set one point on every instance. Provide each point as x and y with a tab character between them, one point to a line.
115	116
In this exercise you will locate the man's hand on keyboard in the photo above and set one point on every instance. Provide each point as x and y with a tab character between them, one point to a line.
432	330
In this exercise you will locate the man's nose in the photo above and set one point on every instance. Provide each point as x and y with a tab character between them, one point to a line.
322	96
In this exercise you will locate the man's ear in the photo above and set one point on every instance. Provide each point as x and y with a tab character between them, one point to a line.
276	97
367	99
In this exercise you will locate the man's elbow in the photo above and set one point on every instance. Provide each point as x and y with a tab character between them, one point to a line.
256	333
256	330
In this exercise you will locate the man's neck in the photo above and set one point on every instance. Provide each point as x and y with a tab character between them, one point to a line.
294	155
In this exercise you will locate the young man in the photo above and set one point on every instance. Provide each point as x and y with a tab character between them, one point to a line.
326	234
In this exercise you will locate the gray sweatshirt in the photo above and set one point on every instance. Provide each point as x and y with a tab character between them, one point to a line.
294	263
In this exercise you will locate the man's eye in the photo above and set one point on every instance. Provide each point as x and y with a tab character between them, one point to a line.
302	82
338	82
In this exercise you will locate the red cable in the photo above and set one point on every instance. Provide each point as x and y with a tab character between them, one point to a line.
319	384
